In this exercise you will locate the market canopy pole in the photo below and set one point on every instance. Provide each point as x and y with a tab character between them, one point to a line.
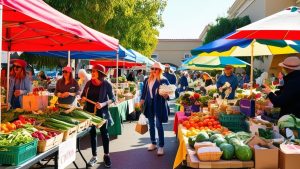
69	58
117	81
1	9
252	66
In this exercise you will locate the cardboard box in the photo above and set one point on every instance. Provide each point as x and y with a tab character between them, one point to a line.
266	158
289	161
142	129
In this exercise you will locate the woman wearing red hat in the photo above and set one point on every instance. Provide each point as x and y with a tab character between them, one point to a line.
67	87
19	83
100	91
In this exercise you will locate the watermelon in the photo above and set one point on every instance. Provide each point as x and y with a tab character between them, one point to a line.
210	133
243	153
228	151
192	141
215	136
219	141
235	142
202	136
230	136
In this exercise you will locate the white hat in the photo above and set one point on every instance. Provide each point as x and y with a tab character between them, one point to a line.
292	62
157	65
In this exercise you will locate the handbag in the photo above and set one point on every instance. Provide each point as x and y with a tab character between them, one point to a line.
142	126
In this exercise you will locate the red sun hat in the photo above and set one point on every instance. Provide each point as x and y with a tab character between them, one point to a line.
20	62
100	68
228	67
68	69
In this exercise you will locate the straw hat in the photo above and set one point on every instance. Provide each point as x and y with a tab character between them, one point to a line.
292	63
100	68
157	65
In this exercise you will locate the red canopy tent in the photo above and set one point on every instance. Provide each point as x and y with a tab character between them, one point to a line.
33	25
36	26
113	63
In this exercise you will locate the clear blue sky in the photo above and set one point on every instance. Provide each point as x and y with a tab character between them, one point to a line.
185	19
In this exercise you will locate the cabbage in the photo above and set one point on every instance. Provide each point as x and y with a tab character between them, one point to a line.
287	121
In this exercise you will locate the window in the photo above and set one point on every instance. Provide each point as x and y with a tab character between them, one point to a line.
154	56
187	55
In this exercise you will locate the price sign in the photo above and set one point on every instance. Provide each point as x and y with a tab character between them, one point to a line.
66	153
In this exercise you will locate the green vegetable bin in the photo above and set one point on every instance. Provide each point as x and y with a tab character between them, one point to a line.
15	155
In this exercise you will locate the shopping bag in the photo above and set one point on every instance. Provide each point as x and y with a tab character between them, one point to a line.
34	103
142	126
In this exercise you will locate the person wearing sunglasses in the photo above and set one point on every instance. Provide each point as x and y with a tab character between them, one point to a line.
99	91
19	84
156	107
67	87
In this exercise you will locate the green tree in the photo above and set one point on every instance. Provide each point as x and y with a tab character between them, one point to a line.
225	26
134	22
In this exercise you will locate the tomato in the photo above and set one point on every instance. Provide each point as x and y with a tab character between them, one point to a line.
200	124
215	123
209	123
205	123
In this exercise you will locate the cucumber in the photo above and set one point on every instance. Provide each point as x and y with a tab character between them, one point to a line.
66	119
80	114
60	122
55	126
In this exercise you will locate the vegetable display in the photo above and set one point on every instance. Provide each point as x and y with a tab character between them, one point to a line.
16	138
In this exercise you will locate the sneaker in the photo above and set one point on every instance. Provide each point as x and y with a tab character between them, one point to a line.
160	151
107	162
92	161
152	147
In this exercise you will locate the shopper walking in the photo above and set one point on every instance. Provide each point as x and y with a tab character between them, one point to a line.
100	91
155	106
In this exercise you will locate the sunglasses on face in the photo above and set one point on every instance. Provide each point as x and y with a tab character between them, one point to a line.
16	66
65	72
154	69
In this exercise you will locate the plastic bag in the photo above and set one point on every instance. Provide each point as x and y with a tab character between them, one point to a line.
143	120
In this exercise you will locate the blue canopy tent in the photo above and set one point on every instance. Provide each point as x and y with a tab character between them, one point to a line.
139	58
123	54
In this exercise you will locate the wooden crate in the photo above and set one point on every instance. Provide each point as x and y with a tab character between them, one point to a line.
98	125
194	162
84	124
72	132
45	145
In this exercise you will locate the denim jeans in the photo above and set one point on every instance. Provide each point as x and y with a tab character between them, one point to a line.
160	130
104	136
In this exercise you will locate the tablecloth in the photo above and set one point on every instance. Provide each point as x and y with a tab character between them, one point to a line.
179	116
182	150
118	113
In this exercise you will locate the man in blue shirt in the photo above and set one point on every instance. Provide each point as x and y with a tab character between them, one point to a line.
227	81
170	76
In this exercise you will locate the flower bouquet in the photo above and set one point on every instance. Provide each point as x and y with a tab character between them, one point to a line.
190	101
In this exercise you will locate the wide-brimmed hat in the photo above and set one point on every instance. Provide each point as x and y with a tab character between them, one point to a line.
67	69
100	68
20	62
157	65
292	62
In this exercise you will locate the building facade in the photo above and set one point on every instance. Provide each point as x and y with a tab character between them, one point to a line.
174	51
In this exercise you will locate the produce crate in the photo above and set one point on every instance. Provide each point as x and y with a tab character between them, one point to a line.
84	124
45	145
236	126
225	118
72	132
99	124
15	155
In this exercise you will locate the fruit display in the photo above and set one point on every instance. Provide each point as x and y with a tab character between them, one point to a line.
198	122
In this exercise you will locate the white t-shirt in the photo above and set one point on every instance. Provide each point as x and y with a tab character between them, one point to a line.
151	83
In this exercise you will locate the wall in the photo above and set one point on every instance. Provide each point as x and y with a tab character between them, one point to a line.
173	50
280	5
254	9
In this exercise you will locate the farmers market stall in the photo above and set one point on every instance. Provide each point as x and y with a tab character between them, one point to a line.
236	133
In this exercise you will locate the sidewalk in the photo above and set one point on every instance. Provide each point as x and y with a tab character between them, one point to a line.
129	151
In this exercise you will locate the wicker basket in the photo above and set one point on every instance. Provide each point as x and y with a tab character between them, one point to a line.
210	156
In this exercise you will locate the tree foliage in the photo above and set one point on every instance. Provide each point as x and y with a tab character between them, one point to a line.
134	22
225	26
40	61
